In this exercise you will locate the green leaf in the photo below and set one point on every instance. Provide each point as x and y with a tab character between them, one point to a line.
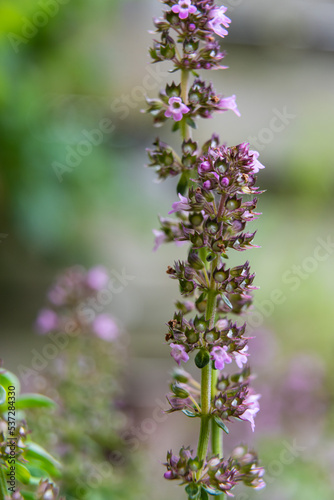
28	495
3	395
211	491
176	126
204	495
3	483
189	413
8	379
33	452
22	473
221	424
202	358
182	185
34	401
191	122
192	491
226	300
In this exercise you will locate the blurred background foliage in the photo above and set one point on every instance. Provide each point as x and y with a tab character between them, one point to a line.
85	65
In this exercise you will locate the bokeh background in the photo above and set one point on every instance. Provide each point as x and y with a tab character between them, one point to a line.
62	75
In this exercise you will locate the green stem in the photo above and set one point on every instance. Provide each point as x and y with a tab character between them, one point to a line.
185	129
204	435
216	431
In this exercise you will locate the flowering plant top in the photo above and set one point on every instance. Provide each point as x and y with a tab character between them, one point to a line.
217	198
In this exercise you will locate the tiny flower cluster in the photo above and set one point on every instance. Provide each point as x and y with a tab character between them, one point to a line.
234	397
202	101
193	23
225	341
217	475
69	300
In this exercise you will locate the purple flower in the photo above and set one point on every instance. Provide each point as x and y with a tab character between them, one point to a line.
97	278
204	167
47	320
184	8
228	103
220	357
176	109
219	20
105	327
160	237
179	353
256	164
241	356
178	206
253	407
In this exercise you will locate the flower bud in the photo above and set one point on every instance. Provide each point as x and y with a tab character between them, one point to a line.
220	275
202	358
194	260
179	391
233	204
196	219
212	226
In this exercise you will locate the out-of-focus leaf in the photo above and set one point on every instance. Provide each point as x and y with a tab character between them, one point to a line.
34	401
8	379
3	395
22	473
34	452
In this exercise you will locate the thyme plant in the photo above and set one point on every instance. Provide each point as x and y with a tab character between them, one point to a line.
217	198
86	377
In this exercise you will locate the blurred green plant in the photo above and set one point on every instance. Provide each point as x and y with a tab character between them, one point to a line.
27	470
86	430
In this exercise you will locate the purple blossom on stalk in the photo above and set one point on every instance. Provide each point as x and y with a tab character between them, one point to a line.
256	164
179	354
178	206
218	20
217	199
241	357
176	109
184	8
228	103
220	357
252	408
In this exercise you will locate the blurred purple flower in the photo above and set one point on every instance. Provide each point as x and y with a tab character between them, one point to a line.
160	237
105	327
220	357
57	296
176	109
47	320
184	8
256	164
97	278
179	353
